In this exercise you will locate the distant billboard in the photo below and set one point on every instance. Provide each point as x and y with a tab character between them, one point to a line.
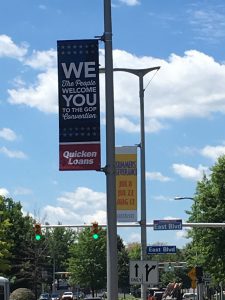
79	108
126	183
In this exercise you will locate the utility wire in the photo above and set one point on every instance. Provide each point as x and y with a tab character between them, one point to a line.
151	79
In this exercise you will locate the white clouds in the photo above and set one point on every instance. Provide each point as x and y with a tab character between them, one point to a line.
213	152
42	95
4	192
13	154
22	191
157	176
8	134
208	24
182	234
189	172
181	89
81	206
130	2
9	49
42	60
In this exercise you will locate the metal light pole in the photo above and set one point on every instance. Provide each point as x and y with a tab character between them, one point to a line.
183	198
141	73
199	285
188	198
112	273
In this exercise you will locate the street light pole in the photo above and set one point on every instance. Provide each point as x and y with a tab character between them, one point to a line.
112	273
141	73
183	198
199	285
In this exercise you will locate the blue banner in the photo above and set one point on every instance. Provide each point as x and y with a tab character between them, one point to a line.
79	107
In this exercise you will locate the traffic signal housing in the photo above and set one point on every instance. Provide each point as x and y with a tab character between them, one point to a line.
95	231
37	231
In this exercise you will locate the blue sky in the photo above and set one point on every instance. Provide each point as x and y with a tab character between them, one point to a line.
184	104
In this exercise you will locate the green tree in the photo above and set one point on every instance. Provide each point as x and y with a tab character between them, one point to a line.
5	243
22	250
207	246
26	261
134	251
88	260
123	266
59	241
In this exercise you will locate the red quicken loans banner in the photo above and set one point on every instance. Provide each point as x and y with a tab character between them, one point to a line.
79	107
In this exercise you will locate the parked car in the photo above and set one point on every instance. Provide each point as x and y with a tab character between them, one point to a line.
55	296
67	296
158	295
45	296
95	298
189	296
78	295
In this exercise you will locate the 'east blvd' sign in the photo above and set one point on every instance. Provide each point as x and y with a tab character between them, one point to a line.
173	224
161	249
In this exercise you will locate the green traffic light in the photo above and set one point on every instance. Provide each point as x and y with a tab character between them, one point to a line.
37	237
95	236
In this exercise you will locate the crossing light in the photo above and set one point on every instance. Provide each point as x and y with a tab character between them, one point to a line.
37	231
95	231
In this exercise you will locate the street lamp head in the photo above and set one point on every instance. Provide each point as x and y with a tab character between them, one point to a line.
183	198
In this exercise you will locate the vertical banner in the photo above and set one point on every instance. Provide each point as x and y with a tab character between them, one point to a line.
126	183
79	109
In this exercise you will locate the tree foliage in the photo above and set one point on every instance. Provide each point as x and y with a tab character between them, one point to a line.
5	243
88	260
208	244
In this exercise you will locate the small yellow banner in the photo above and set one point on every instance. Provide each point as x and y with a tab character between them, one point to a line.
126	183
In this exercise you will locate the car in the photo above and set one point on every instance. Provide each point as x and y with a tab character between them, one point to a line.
189	296
78	295
95	298
45	296
158	295
55	296
67	296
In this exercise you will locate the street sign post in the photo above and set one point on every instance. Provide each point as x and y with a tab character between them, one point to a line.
174	224
161	249
144	272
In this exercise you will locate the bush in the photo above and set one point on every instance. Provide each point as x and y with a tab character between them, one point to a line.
22	294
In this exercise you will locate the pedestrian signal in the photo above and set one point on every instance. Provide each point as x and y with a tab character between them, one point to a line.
37	231
95	231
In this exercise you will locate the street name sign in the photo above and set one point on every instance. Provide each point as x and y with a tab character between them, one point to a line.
174	224
144	272
161	249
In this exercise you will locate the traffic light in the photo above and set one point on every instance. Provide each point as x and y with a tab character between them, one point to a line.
37	231
95	230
